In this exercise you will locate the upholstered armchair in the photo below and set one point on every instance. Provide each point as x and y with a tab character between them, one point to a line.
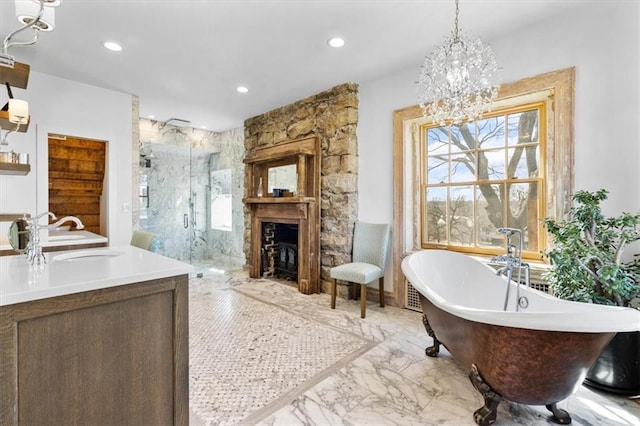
370	250
142	239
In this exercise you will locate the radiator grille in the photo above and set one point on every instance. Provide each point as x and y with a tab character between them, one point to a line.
413	297
540	286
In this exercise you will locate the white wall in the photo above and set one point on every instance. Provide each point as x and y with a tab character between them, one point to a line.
600	39
66	107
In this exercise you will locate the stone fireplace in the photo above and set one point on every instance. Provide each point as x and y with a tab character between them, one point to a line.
274	246
331	117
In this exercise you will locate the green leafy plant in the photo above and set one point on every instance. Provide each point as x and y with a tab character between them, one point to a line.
586	260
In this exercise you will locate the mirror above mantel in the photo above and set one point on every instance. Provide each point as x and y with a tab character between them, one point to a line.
282	178
293	167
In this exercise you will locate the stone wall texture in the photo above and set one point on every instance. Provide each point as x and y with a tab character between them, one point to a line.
332	116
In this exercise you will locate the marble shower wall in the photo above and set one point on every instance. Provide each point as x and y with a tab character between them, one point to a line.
178	180
222	243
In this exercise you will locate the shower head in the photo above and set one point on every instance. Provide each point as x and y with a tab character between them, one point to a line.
175	122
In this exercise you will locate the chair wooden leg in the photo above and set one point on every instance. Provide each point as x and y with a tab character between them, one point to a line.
381	284
363	300
354	291
334	290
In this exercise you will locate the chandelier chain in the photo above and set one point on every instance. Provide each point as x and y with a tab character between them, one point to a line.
456	36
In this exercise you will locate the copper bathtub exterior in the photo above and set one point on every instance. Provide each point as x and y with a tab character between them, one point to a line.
533	367
537	352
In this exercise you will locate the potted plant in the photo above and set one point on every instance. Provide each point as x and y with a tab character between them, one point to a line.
587	265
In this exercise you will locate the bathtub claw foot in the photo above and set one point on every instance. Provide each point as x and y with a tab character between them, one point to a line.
434	350
484	416
487	414
559	415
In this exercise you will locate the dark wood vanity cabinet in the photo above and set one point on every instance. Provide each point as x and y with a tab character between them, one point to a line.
116	356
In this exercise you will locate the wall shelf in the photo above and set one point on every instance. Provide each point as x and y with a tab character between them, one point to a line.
14	169
18	76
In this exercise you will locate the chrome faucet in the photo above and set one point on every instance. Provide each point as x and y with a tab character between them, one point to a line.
512	260
78	222
34	250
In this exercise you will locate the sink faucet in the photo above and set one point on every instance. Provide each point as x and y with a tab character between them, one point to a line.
34	250
78	222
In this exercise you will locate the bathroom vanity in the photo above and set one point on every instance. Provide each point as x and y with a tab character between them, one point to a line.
95	336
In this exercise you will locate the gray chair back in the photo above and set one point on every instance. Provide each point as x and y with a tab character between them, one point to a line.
142	239
371	243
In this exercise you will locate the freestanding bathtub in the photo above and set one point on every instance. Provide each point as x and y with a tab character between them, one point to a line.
538	355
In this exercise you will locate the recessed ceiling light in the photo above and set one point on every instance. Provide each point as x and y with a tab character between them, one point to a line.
203	127
112	45
151	116
335	42
242	89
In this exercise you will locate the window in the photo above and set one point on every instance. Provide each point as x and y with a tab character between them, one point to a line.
555	156
483	175
221	200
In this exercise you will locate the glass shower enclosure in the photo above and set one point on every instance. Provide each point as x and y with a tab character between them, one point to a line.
175	194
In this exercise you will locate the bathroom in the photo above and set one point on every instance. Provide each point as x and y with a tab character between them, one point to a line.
606	88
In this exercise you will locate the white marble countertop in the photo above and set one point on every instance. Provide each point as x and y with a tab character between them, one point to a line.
75	271
63	237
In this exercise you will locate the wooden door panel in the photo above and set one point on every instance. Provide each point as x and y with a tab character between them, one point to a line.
76	179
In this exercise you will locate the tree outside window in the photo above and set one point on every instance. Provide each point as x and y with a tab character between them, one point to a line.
482	175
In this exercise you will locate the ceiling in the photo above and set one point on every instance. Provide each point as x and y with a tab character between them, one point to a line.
184	59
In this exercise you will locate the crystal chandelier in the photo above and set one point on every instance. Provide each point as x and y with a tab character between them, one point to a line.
459	79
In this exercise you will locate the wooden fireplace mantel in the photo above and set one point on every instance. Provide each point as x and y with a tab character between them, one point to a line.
303	209
279	200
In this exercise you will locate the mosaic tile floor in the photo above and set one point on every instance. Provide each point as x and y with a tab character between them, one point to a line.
261	353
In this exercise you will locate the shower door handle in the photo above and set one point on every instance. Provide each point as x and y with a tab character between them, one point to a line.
185	220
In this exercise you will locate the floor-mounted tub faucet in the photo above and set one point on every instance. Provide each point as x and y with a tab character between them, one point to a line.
512	260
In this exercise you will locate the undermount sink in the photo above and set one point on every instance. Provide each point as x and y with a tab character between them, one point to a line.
65	237
86	255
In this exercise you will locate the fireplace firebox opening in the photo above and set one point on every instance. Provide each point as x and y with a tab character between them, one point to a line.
279	251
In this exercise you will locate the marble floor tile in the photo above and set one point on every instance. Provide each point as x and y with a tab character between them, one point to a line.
263	353
246	353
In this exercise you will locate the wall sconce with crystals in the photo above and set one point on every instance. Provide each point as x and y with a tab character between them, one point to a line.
459	79
37	15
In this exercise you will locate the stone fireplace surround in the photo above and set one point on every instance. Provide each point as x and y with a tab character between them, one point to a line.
332	117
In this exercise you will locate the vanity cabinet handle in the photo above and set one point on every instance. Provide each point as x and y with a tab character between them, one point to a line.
185	220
